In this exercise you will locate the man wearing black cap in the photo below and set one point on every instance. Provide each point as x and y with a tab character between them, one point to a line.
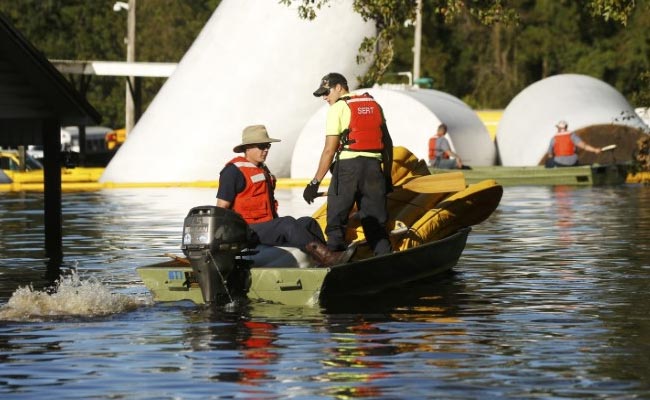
247	187
357	140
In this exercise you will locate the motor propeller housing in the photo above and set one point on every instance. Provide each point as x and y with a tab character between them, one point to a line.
213	237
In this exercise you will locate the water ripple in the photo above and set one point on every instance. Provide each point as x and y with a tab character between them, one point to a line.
547	301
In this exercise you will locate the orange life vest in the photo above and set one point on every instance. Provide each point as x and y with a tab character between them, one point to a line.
364	132
432	149
256	202
563	145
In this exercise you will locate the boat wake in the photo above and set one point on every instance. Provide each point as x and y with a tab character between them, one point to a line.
72	297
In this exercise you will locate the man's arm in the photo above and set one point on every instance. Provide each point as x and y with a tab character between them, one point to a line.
587	147
231	182
447	149
338	118
223	203
387	157
581	144
459	162
327	156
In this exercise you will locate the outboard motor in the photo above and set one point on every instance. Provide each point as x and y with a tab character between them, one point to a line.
213	238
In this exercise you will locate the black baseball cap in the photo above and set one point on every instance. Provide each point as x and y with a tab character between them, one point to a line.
329	81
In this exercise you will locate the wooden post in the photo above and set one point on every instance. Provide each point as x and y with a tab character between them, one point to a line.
52	191
130	57
417	42
83	149
22	158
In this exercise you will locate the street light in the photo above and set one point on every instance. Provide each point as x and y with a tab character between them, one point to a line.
130	57
417	41
120	5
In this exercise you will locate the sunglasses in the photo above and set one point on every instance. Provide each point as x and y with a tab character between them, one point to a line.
263	146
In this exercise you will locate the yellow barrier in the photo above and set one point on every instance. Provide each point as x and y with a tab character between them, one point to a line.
490	119
86	179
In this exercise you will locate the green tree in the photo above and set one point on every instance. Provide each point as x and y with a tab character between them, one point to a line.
632	55
486	51
389	17
166	29
483	51
487	65
91	30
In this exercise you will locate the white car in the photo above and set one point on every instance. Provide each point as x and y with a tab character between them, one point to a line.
36	151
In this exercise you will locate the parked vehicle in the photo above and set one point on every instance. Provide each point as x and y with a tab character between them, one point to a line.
96	152
10	165
36	151
10	161
114	139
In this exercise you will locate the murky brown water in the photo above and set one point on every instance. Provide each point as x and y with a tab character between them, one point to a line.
549	300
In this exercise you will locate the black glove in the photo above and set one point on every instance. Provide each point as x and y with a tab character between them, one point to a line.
311	191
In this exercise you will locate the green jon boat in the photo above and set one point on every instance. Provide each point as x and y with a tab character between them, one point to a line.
221	267
584	175
175	280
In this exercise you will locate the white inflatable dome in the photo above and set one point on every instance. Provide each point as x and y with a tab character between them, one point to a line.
528	122
254	62
412	116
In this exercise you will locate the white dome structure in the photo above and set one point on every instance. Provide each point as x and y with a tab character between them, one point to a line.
528	122
254	62
412	116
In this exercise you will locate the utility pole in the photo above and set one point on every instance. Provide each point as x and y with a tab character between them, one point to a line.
417	41
132	86
130	57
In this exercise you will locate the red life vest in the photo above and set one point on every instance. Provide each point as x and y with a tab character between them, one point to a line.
432	149
256	202
563	145
364	132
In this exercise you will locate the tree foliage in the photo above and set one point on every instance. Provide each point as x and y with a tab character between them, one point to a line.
483	51
390	16
91	30
486	51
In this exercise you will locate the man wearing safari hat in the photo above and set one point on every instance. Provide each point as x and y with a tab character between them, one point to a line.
247	187
562	149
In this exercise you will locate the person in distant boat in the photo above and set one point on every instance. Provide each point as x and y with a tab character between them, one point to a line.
247	187
359	145
562	149
440	153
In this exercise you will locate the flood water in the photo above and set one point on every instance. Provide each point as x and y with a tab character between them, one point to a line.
548	301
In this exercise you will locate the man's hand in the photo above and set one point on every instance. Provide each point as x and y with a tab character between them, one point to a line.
311	191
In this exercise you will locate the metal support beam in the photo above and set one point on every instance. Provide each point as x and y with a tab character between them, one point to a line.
52	191
115	68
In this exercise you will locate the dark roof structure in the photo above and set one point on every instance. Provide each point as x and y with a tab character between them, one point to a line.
35	101
32	89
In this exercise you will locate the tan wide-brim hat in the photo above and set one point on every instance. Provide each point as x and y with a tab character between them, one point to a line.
253	134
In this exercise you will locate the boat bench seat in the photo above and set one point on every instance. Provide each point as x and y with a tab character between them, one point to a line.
280	257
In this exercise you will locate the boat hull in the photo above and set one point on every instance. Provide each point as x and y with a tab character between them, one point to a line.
585	175
376	274
174	281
